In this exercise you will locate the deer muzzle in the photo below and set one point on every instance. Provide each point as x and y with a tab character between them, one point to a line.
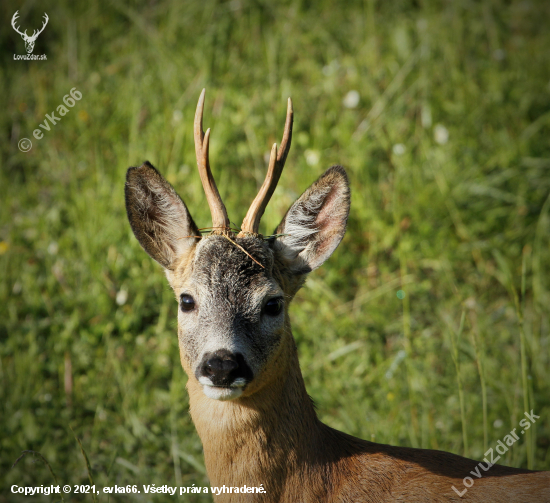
223	374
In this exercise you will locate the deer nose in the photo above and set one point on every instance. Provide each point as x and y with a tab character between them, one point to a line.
220	367
223	368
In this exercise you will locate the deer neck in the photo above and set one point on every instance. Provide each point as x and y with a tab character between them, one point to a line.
261	439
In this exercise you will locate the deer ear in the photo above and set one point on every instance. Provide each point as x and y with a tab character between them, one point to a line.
159	218
316	223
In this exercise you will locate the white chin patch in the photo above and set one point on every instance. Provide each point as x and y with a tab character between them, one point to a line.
218	393
222	393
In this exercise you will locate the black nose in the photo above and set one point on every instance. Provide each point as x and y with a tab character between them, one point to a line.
223	368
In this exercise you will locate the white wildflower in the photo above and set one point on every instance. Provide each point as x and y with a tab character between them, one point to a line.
351	99
312	157
441	134
399	149
121	297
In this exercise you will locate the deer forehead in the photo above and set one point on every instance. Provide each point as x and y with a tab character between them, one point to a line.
221	274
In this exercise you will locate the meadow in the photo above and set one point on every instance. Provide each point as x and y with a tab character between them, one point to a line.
429	326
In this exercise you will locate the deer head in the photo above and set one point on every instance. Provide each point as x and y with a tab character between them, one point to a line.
29	41
233	290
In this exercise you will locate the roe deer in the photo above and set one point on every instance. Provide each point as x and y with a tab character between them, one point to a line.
248	400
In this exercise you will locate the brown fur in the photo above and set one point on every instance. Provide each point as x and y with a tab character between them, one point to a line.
271	434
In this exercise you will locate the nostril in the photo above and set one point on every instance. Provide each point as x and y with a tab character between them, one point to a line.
213	365
209	367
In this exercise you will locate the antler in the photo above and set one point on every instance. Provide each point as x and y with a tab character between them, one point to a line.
13	19
251	222
36	33
220	220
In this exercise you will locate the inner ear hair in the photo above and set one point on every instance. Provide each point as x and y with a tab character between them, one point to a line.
316	223
159	218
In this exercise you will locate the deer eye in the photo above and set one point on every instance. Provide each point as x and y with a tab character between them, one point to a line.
274	307
187	303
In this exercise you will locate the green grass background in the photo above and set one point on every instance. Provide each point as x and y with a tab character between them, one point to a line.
87	321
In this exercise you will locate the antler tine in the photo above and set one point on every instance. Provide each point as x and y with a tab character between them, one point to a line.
220	220
287	134
251	222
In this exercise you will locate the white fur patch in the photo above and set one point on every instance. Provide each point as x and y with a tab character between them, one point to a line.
218	393
205	381
240	382
222	394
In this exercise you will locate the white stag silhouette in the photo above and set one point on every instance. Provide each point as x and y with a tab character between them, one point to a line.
29	41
